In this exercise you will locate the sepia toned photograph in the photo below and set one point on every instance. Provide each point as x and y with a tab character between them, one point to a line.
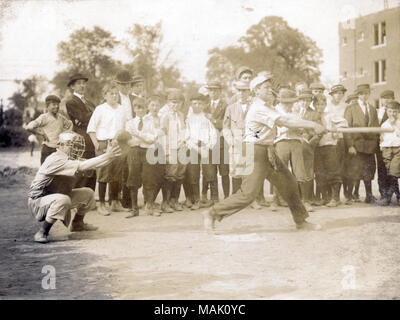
190	150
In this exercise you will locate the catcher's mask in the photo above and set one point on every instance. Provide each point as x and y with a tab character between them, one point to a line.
74	142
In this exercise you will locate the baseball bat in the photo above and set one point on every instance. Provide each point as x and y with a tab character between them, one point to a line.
362	130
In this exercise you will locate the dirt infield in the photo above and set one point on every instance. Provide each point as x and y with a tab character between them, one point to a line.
254	255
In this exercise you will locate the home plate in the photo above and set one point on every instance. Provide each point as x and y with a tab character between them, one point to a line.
249	237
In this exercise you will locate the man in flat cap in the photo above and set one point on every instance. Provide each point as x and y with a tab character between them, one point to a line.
260	133
384	181
216	111
138	88
49	125
80	109
124	81
362	146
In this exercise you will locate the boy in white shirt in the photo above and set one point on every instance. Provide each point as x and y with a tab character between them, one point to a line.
106	121
173	125
144	134
390	146
201	137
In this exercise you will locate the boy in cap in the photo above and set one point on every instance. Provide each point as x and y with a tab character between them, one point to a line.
52	194
233	130
335	110
309	111
289	142
361	146
261	122
201	137
144	134
390	146
384	181
329	153
173	125
317	88
80	109
49	125
107	121
216	111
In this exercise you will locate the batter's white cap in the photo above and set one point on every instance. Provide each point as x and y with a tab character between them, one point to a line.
261	77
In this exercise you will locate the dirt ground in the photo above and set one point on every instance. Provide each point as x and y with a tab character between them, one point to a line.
253	255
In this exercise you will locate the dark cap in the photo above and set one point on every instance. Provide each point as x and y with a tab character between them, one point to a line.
76	77
363	88
52	98
124	77
337	88
387	94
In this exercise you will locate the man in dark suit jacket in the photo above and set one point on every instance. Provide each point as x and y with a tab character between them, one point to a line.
79	111
216	111
362	146
384	181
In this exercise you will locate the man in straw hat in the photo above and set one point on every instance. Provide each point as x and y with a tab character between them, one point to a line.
260	133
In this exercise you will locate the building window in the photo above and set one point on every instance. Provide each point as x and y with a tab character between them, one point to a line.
344	41
380	71
361	36
361	72
380	34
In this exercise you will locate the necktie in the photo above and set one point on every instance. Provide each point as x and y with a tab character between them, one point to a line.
140	126
366	114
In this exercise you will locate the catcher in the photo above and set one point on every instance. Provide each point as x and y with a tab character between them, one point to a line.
51	194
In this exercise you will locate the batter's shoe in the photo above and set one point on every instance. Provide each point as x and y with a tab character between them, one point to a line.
40	237
308	226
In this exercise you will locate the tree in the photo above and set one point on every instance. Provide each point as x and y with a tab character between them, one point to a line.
150	58
88	52
28	93
269	45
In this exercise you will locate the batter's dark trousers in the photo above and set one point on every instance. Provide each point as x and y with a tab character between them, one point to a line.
268	166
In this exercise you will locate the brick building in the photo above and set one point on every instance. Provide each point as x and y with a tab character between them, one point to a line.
369	48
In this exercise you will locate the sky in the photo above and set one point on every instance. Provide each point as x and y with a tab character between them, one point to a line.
30	30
